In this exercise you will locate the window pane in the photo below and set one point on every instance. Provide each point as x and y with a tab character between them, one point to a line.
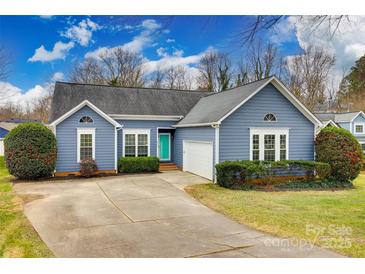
86	153
282	154
269	145
269	141
255	155
86	140
359	128
130	151
255	141
282	141
130	140
142	151
269	155
142	139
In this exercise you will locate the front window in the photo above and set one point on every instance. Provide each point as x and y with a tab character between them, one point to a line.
85	144
363	147
359	128
136	143
86	120
269	152
269	144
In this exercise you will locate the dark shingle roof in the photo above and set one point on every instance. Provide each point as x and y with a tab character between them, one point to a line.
337	117
127	101
212	108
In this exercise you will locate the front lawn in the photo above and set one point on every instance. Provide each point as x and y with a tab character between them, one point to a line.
334	219
17	236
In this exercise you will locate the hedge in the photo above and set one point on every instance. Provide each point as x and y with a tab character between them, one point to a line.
341	150
233	173
30	151
138	164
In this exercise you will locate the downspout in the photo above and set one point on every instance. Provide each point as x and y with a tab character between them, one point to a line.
216	154
116	148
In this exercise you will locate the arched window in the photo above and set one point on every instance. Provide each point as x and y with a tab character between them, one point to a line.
86	119
270	117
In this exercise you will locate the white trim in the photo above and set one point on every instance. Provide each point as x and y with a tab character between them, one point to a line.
81	105
85	131
146	117
363	128
276	119
197	125
360	112
216	152
330	122
269	131
137	131
158	146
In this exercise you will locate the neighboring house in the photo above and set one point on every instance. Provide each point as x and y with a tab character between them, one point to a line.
195	130
5	127
352	121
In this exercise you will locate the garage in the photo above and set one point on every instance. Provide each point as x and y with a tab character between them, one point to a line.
198	158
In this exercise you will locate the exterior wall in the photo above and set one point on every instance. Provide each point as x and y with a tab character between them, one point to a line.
192	134
235	130
359	137
66	133
3	132
145	124
346	126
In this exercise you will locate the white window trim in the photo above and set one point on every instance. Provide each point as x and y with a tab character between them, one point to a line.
276	118
137	131
86	123
85	131
269	131
363	128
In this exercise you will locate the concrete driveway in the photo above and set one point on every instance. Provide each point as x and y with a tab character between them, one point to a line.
143	216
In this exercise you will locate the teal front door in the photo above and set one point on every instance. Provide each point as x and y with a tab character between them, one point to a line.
164	147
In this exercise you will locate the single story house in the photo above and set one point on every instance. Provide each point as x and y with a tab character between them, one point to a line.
352	121
261	120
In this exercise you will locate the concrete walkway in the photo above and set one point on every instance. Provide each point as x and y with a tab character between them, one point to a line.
143	216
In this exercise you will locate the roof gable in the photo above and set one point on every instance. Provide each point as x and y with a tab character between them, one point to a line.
80	106
215	108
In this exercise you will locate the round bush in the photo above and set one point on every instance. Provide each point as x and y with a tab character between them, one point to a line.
30	151
341	150
88	167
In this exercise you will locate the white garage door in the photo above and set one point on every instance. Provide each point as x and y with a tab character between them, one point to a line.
198	158
1	147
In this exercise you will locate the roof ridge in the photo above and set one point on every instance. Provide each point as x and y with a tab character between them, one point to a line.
140	88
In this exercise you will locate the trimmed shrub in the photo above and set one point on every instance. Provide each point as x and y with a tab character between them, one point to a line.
88	167
30	151
341	150
138	164
232	174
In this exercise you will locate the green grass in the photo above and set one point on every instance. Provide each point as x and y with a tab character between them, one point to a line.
17	236
338	217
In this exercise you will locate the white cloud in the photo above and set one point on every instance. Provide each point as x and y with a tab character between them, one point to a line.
82	32
57	76
47	17
347	44
169	40
10	94
138	44
59	51
161	52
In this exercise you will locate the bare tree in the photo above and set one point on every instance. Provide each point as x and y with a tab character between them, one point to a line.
157	78
307	75
177	77
118	68
41	109
88	72
215	72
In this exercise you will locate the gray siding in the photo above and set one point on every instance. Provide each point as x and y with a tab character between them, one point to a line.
235	134
145	124
193	134
66	133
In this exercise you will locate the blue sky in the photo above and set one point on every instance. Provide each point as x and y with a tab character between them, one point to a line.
44	49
